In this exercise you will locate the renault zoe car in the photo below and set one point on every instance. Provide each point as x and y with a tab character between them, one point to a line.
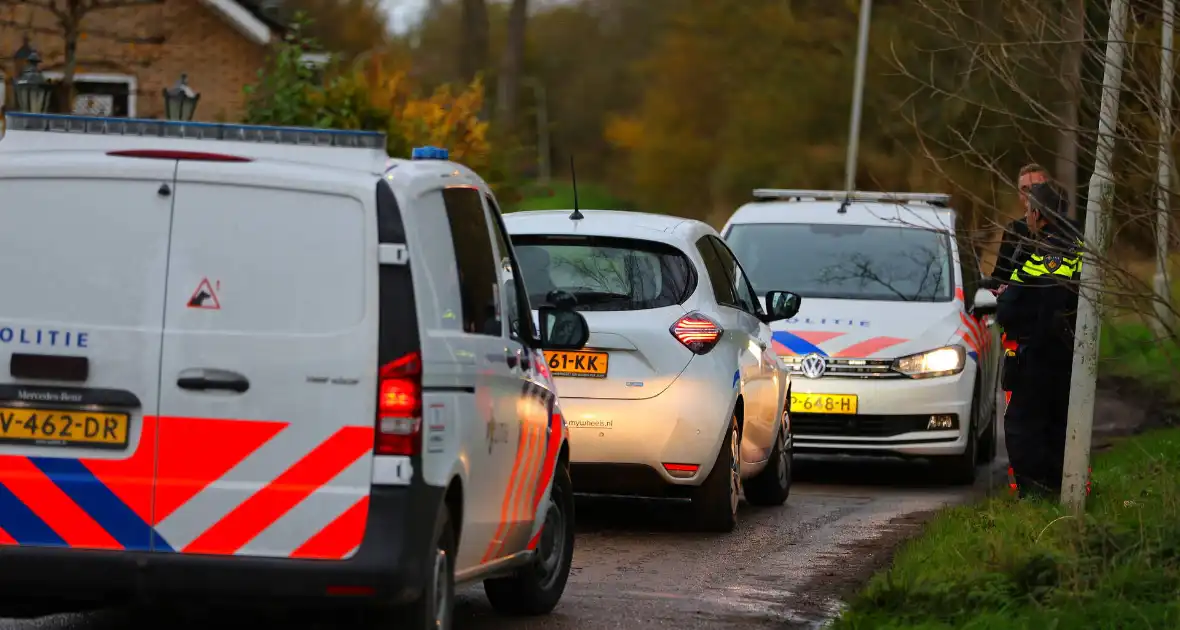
894	343
678	392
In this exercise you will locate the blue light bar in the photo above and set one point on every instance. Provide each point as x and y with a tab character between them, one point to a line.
429	153
140	127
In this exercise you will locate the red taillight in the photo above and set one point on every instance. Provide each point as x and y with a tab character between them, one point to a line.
697	332
682	471
399	407
158	154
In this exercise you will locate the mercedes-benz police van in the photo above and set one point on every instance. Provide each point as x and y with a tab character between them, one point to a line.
262	364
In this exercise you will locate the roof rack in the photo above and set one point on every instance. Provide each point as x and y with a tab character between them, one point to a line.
941	200
54	132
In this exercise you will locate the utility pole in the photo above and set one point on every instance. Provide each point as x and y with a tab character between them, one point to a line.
858	92
1163	290
1086	335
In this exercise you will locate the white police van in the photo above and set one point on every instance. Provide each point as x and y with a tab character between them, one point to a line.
261	364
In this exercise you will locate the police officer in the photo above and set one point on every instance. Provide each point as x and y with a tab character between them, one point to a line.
1037	311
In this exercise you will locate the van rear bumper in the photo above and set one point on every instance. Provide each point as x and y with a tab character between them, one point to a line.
390	566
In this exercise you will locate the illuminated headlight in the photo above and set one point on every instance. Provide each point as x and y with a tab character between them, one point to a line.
940	362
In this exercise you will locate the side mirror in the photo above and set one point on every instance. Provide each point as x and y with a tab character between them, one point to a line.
781	305
984	303
562	329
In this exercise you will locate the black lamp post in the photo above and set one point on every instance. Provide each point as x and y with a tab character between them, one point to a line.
31	87
180	101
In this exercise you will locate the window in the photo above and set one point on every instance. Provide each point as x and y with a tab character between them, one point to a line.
715	267
850	262
475	261
97	94
747	300
516	297
604	273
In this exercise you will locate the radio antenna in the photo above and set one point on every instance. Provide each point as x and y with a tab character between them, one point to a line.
576	215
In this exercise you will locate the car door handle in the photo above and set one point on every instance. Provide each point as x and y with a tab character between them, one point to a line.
205	379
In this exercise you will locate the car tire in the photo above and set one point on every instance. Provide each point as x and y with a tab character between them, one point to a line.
435	609
537	588
772	486
715	501
988	443
960	469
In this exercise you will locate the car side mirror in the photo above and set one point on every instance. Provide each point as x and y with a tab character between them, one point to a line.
984	303
562	328
781	305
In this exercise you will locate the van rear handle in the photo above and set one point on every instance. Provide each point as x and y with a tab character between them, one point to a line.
205	379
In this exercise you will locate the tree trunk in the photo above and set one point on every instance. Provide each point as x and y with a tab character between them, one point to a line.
511	65
473	54
1073	23
65	90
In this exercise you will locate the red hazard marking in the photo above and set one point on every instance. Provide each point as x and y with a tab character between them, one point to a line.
205	297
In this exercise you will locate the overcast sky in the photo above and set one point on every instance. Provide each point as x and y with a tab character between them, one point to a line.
403	12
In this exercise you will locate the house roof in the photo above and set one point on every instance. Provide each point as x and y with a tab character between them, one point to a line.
247	18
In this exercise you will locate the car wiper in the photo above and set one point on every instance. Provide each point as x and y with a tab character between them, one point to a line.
598	297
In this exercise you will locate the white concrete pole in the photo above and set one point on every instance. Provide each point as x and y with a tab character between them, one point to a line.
1163	291
858	93
1089	322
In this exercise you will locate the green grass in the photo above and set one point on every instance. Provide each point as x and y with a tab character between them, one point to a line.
560	196
1007	564
1130	349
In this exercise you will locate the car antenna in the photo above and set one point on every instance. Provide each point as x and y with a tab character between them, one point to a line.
576	215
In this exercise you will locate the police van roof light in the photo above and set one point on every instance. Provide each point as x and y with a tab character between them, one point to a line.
941	200
145	128
429	153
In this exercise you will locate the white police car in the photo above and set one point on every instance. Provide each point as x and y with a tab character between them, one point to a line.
260	364
893	340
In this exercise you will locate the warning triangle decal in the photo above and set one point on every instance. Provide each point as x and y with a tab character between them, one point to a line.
204	297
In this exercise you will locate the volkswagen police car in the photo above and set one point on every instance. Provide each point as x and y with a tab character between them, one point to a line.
262	364
894	343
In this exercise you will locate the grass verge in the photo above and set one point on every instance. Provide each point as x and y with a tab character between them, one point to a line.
560	196
1131	350
1019	565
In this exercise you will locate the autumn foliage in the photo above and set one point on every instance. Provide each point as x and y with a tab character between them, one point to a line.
373	92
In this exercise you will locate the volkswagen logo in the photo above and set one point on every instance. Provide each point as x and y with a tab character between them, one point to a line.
813	365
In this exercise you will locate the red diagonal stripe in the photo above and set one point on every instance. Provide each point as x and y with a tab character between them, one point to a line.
868	347
57	509
815	337
5	539
339	537
269	504
550	460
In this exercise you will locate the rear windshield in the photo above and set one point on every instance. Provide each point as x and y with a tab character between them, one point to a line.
856	262
604	274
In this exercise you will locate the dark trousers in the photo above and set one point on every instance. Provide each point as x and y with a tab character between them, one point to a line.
1034	432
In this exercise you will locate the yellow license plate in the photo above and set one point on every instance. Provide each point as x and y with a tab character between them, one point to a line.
823	403
580	364
63	427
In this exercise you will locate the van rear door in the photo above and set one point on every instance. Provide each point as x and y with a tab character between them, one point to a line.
84	259
269	368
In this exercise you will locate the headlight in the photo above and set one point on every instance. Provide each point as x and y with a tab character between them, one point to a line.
940	362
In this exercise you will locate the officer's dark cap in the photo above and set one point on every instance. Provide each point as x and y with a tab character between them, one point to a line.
1046	198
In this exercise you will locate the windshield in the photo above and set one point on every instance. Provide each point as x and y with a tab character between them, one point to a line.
852	262
602	273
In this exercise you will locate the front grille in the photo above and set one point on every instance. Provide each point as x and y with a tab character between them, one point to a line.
849	368
837	425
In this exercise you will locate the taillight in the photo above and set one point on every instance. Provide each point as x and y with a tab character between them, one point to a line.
697	332
399	407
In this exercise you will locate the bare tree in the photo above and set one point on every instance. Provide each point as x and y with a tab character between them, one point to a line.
512	65
1012	76
474	46
69	19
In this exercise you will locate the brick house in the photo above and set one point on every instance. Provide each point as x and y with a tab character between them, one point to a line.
127	56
